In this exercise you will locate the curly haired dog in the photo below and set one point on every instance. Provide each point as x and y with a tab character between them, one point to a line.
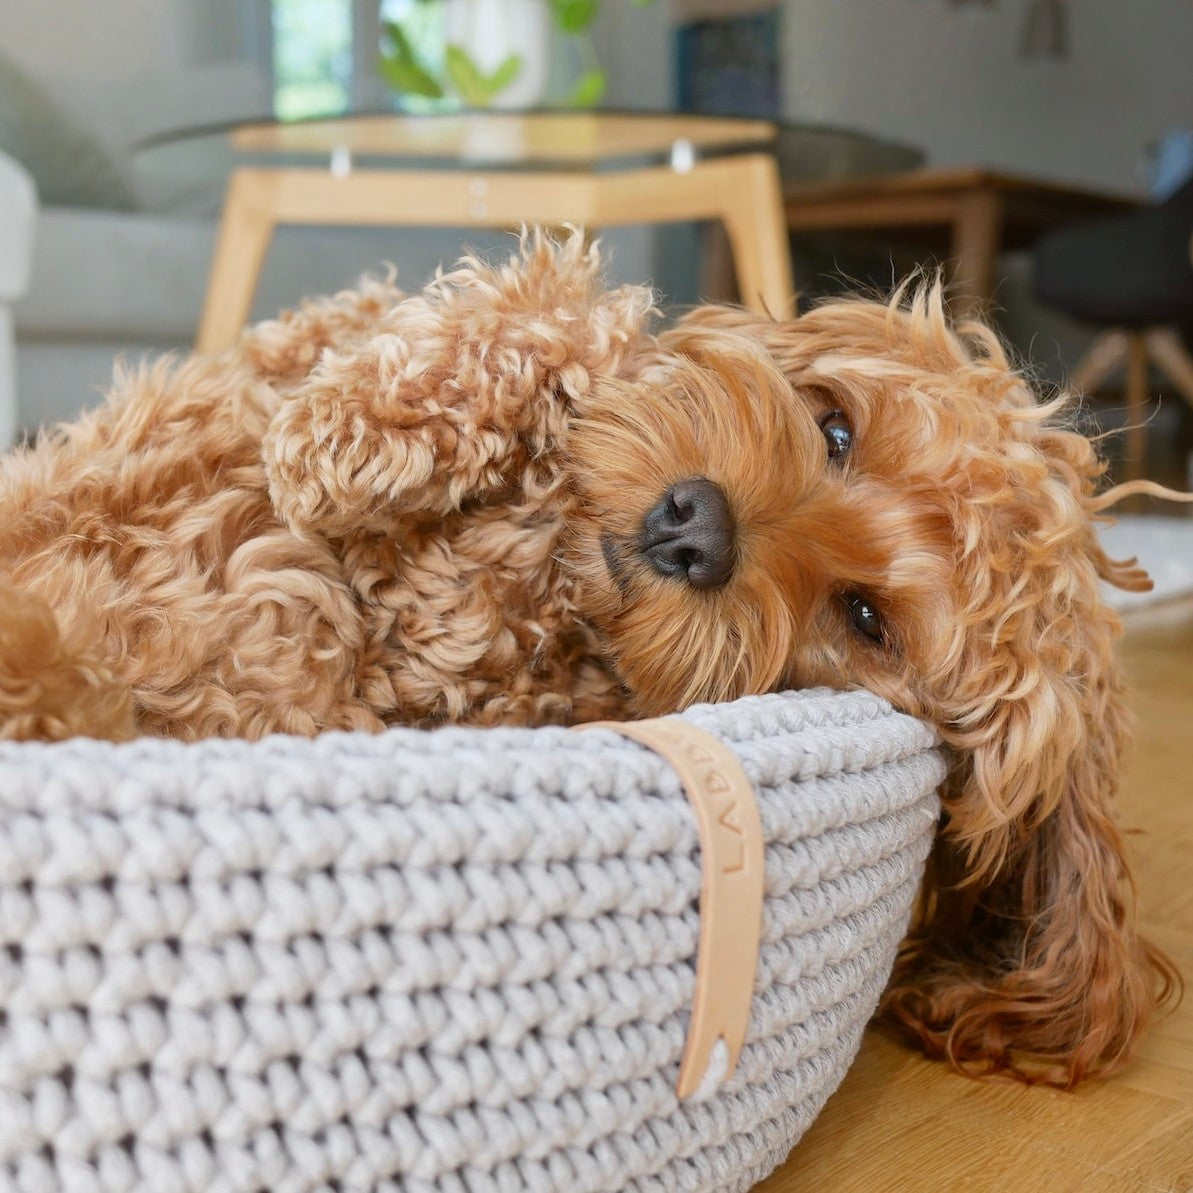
506	501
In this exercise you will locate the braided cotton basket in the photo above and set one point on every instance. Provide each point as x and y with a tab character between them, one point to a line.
457	960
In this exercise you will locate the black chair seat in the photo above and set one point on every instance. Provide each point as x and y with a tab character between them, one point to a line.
1128	271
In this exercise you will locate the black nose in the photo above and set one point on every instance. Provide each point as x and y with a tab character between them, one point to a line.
689	534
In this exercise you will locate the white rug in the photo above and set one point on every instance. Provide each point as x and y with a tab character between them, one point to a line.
1164	546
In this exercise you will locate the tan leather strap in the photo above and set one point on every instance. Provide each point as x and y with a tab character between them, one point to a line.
731	886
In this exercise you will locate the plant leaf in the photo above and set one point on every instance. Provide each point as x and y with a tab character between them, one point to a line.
589	88
574	16
476	88
408	78
505	74
401	69
403	50
466	77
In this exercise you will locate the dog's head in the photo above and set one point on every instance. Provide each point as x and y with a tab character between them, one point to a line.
860	497
868	497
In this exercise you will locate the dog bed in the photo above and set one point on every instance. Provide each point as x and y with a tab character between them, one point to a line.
452	960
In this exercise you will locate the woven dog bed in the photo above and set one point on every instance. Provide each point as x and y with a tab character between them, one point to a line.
451	960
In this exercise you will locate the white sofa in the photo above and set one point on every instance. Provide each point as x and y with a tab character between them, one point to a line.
128	285
108	285
18	209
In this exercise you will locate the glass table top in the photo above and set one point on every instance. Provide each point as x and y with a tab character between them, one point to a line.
546	138
186	171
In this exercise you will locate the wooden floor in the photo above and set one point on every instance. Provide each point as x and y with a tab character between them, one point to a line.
902	1124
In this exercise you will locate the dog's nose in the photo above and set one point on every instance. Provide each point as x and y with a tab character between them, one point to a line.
689	534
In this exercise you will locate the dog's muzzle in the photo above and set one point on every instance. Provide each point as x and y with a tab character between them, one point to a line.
689	535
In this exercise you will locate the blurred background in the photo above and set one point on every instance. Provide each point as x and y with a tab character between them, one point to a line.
1084	106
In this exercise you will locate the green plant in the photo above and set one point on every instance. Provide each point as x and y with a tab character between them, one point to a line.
410	70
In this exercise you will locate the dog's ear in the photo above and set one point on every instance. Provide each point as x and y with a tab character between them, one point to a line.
454	395
724	318
1025	956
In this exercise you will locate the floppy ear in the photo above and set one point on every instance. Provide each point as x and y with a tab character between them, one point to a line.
724	318
1025	957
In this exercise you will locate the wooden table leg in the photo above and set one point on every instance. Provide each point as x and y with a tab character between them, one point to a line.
977	233
717	279
754	218
246	229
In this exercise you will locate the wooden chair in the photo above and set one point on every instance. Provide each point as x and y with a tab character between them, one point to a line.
1132	275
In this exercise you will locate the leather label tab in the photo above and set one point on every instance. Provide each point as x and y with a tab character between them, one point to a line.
732	866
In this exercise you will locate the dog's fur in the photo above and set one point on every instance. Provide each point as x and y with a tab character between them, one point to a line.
386	509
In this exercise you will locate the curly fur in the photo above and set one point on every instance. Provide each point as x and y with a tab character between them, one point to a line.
387	509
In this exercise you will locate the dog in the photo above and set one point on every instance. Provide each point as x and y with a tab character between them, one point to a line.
507	500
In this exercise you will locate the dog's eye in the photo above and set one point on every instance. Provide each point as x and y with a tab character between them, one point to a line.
838	434
864	616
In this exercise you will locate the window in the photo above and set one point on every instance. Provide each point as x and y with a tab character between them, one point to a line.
312	57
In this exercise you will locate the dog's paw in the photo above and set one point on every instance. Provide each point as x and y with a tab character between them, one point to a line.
337	469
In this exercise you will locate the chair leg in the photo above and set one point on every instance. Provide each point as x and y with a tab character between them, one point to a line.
1105	355
1137	397
1165	348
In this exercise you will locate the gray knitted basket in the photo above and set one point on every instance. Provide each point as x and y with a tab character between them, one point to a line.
459	960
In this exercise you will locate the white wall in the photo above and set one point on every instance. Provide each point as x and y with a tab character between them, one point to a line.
634	46
68	37
128	68
951	80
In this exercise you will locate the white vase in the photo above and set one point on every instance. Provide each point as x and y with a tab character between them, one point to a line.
491	30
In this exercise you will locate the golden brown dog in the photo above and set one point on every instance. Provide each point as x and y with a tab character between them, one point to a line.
505	501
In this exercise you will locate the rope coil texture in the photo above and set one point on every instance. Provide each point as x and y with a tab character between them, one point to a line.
456	960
